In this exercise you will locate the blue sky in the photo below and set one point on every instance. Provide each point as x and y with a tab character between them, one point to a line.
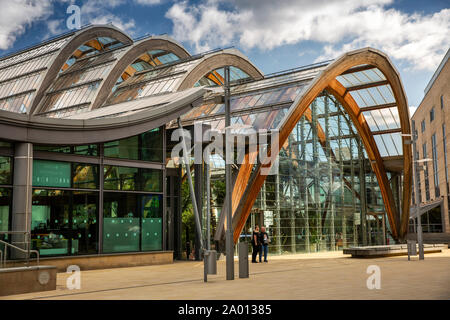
275	35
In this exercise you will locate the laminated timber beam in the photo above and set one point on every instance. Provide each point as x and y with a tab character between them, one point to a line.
346	62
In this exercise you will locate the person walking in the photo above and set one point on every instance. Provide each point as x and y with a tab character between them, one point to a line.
255	244
264	240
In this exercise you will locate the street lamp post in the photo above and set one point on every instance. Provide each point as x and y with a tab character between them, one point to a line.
229	243
416	190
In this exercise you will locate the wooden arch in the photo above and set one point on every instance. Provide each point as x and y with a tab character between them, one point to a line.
327	81
68	49
229	57
121	65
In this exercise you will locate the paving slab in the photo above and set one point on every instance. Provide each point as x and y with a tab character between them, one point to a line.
330	275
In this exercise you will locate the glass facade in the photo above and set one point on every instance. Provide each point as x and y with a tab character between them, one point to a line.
66	206
314	202
324	196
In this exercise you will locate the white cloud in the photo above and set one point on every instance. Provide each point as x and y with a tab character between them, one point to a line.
340	25
99	12
16	16
148	2
412	109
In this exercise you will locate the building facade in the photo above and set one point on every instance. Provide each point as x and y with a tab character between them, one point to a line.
431	122
86	125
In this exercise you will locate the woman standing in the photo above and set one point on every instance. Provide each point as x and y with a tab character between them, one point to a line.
255	244
264	242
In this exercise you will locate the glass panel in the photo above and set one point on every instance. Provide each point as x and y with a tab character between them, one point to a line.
51	174
132	179
85	176
50	222
124	149
152	146
5	210
86	150
147	146
5	170
19	85
64	222
121	222
151	222
18	104
84	222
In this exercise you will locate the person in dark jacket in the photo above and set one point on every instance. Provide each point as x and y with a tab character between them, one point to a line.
255	244
264	241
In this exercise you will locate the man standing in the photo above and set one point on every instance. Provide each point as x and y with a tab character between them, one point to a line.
264	240
255	244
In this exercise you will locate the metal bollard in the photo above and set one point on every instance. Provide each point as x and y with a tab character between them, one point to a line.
209	263
412	249
211	256
243	260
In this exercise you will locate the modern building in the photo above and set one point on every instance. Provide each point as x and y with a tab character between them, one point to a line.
86	121
431	122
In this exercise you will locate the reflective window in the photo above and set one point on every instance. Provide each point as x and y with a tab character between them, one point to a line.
444	134
84	176
5	210
64	222
51	174
147	147
64	175
132	222
132	179
432	220
85	150
432	114
5	170
425	172
435	165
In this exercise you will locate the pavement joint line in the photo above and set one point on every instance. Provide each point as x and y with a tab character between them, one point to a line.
153	285
113	289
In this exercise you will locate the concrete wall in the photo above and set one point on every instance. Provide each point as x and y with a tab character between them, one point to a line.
106	261
24	280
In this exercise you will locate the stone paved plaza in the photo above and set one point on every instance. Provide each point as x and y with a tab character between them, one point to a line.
302	276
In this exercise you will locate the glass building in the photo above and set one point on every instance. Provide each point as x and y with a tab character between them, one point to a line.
86	121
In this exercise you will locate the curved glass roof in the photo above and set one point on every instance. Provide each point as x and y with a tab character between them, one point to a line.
371	91
261	104
217	77
21	75
147	61
82	75
92	47
76	86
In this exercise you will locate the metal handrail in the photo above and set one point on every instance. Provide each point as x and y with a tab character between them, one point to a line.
27	241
